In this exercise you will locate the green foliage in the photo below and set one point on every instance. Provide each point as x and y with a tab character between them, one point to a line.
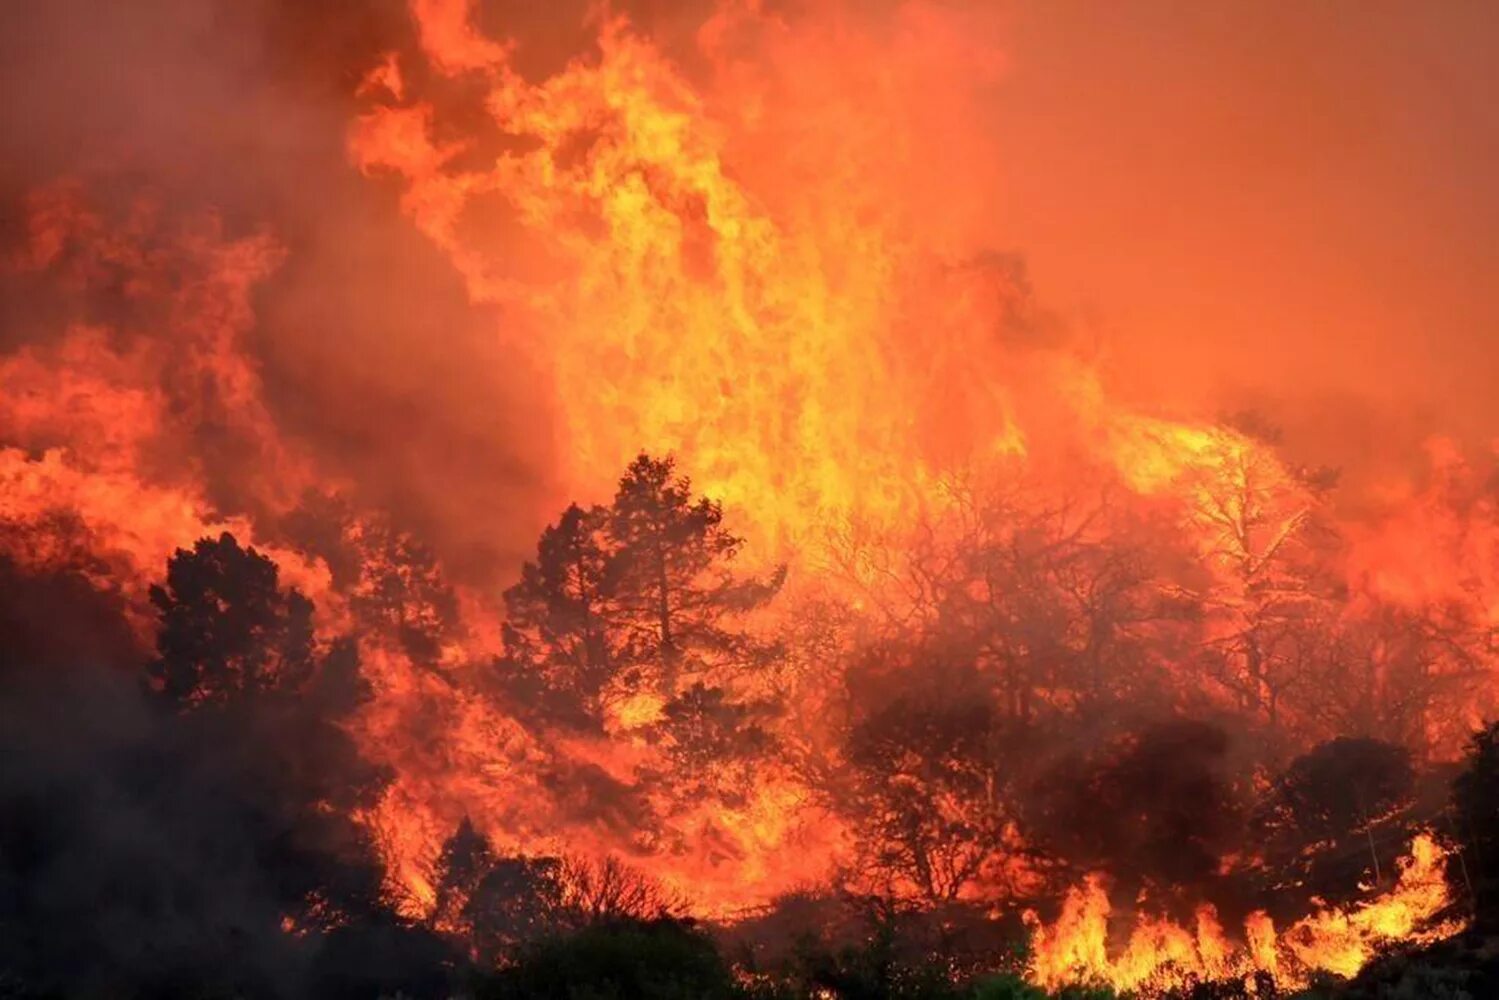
626	960
1006	987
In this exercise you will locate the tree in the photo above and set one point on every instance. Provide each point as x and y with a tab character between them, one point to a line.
496	904
1475	804
560	639
674	595
465	859
517	901
1051	600
397	591
1344	788
227	628
606	889
1255	518
401	589
927	794
639	597
261	703
703	727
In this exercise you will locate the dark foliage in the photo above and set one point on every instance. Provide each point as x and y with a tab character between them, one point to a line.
1475	804
624	960
160	839
928	777
227	628
1337	813
1159	807
636	595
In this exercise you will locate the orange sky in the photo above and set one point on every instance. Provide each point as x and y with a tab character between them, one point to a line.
1268	200
1284	205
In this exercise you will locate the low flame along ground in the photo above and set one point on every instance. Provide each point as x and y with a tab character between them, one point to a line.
744	267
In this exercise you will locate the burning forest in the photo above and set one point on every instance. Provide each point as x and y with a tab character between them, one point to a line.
601	500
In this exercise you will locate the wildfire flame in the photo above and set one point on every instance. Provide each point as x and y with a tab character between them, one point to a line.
762	258
1158	955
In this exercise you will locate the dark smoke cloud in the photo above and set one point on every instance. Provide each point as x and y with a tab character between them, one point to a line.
122	864
142	855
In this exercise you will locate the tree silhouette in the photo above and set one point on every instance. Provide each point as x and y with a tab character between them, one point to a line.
558	633
265	708
926	794
1344	788
516	902
606	889
465	859
401	589
395	585
674	595
704	725
227	628
638	596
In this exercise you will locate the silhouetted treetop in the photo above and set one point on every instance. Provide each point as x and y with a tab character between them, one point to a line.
228	630
636	595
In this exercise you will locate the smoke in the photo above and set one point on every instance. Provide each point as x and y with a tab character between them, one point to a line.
1284	209
242	274
370	355
1160	809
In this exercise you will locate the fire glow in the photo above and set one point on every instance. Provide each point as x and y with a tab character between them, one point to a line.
767	265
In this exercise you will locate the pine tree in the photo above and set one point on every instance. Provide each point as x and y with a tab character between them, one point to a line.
636	596
558	633
227	628
677	600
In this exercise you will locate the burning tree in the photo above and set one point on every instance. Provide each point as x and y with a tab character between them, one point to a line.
728	244
928	792
1268	602
632	615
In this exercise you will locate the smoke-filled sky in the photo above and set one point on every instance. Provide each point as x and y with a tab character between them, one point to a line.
1294	202
1281	206
360	279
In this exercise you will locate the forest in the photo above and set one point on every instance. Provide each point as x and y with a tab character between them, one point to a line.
199	826
783	499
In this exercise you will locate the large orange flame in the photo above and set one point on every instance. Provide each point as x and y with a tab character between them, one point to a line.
1158	955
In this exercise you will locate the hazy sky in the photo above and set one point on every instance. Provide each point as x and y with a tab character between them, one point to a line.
1292	199
1290	205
